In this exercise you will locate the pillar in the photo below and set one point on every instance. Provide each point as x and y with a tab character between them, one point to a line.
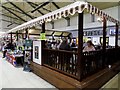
116	36
104	34
11	37
104	41
80	46
42	45
17	35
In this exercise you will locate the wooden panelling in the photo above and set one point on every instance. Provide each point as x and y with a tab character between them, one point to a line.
62	81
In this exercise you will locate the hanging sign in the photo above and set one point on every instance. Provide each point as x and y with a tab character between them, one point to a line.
42	36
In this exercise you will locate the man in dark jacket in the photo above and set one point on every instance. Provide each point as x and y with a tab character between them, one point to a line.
64	45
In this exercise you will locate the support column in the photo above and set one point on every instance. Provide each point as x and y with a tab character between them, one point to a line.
26	33
11	37
80	46
104	39
116	36
17	35
42	44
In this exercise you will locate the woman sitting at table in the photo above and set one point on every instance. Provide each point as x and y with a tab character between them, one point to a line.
89	47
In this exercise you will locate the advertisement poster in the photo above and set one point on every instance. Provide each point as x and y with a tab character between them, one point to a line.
36	52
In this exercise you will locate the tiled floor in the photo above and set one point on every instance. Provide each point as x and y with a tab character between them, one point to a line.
11	77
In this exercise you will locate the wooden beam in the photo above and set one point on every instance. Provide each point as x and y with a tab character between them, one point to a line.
42	44
104	34
116	36
104	41
80	46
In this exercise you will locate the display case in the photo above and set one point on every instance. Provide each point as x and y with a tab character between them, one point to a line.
15	57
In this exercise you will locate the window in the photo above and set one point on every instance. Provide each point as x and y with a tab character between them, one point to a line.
52	23
92	18
68	22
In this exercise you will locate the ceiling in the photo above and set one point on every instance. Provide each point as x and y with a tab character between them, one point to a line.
25	10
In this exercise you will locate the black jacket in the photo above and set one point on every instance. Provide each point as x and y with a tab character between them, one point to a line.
64	46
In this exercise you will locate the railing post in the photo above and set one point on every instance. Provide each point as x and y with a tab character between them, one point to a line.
42	44
104	39
80	46
116	36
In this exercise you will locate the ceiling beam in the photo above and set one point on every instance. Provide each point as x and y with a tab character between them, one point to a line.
15	10
10	21
40	6
55	5
21	10
34	3
9	16
14	13
34	7
46	10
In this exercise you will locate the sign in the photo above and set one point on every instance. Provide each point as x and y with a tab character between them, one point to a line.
28	43
37	52
42	36
93	33
113	32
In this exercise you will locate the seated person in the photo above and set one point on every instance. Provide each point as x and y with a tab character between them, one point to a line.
73	43
64	45
89	47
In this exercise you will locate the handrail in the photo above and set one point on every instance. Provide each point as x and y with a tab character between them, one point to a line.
65	51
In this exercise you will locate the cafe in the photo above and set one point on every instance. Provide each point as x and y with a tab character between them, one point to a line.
74	68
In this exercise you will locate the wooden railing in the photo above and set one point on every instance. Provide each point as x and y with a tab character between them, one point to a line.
61	60
66	61
92	62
